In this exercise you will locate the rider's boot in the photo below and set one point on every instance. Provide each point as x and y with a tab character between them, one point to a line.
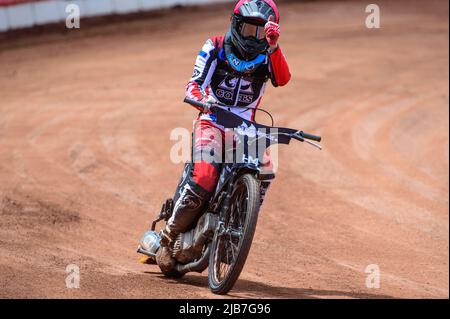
189	201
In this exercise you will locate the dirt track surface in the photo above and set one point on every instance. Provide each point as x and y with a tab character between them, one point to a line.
85	120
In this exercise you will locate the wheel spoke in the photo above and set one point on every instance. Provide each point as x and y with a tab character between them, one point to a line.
217	261
232	246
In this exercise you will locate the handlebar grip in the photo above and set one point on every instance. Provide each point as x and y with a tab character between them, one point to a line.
195	103
311	136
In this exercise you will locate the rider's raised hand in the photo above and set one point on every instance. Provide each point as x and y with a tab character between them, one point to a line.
272	30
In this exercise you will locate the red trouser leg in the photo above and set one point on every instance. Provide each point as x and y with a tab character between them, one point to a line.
194	191
208	142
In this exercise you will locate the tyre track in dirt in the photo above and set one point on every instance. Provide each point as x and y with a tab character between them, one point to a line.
84	155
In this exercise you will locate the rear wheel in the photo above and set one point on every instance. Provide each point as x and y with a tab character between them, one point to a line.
232	242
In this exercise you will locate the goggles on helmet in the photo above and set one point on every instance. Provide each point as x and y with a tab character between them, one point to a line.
250	30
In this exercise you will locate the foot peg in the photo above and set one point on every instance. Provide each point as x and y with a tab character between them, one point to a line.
165	214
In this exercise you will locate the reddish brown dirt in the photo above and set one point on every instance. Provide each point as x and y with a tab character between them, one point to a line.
85	119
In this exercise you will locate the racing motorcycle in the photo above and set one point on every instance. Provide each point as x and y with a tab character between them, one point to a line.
222	236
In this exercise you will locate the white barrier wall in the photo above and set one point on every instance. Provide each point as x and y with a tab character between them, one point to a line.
25	15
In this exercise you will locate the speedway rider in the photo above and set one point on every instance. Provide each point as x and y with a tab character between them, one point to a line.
232	69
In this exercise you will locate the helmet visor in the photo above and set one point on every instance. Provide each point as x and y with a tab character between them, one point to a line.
250	30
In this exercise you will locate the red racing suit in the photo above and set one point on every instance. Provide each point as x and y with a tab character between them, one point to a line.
213	76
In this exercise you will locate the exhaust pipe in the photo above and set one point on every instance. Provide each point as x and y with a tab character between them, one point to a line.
197	266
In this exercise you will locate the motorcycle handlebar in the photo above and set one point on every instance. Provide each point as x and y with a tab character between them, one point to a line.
301	133
310	136
195	103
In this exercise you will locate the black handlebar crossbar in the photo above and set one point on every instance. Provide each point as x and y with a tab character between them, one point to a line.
203	106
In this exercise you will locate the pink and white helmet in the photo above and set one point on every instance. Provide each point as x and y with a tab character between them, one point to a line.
247	26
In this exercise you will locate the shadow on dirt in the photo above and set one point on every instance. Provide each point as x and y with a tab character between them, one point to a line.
252	289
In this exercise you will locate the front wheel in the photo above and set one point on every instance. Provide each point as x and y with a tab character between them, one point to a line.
232	241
